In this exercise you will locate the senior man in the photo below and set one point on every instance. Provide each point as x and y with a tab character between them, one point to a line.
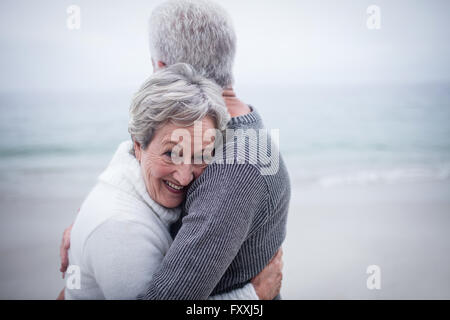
235	213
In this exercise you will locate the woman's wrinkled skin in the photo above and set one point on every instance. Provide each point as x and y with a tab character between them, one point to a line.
166	181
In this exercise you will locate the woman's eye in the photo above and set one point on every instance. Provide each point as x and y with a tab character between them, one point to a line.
199	161
168	154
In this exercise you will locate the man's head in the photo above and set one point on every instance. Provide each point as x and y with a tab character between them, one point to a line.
197	32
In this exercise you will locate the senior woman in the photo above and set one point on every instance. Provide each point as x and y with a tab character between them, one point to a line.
121	233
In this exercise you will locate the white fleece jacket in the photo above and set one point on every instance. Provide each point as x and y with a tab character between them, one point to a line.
121	235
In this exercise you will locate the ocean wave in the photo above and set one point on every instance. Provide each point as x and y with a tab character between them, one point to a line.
386	176
9	152
47	151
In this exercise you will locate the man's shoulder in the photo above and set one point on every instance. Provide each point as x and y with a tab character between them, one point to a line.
245	177
247	162
252	150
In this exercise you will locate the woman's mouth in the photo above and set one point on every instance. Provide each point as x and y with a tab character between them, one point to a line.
174	188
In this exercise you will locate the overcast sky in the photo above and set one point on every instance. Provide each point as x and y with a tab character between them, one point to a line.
279	43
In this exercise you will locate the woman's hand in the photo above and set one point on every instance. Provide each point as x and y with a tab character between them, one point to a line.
61	295
64	250
267	283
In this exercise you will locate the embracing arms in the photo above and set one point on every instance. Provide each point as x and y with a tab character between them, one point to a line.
265	285
226	205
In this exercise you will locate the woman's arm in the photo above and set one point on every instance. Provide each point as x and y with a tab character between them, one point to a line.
265	286
123	255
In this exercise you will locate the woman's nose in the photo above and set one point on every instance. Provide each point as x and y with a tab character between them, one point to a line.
184	174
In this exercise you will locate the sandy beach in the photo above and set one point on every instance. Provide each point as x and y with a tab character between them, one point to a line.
334	234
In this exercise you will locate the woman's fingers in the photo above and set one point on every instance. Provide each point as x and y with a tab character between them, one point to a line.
64	250
61	295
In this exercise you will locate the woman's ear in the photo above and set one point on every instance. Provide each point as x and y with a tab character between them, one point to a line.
137	151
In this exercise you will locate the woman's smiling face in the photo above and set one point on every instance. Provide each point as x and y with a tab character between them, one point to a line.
166	181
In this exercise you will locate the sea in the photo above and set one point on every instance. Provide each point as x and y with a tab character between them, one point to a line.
58	142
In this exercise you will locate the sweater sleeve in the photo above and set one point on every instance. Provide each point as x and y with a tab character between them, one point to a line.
123	256
221	211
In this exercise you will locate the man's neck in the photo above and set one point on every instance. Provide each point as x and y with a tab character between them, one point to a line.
235	106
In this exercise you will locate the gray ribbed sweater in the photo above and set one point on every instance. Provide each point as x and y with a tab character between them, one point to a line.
234	221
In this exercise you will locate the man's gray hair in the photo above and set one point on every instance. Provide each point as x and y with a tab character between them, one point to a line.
176	93
197	32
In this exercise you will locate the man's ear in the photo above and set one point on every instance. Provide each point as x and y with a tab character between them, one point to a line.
161	64
157	65
137	151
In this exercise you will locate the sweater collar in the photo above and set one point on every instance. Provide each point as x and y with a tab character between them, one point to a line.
124	172
246	119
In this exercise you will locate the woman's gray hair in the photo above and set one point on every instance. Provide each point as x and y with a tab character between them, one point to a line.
179	94
197	32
